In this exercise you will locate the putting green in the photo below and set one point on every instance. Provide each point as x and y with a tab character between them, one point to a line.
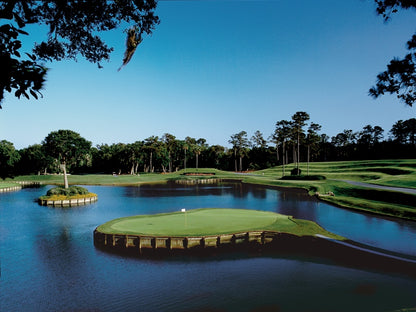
212	221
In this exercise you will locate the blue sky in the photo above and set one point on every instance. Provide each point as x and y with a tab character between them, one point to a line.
213	68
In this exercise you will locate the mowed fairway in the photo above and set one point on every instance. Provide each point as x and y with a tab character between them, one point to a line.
212	221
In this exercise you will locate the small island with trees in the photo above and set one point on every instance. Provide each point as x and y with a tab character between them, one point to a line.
64	197
67	147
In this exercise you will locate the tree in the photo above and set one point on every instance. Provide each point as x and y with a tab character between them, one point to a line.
133	152
170	142
398	132
343	141
410	126
214	155
185	147
257	140
312	138
151	145
190	144
400	76
68	148
299	121
33	160
8	158
199	147
73	27
240	144
281	135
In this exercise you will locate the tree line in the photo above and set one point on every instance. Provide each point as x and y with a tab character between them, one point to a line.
292	141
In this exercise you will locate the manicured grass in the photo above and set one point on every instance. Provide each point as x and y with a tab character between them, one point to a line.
212	221
396	173
7	184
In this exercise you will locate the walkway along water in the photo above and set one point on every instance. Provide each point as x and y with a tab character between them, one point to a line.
382	187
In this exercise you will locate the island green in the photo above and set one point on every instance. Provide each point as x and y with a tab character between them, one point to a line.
212	221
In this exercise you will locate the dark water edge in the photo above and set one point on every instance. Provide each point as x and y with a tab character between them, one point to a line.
314	249
49	262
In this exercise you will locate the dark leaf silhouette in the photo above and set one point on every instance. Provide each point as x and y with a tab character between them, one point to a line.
134	38
73	27
400	77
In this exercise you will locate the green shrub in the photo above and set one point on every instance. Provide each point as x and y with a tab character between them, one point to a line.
295	172
71	191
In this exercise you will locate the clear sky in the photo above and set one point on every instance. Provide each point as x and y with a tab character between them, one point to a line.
213	68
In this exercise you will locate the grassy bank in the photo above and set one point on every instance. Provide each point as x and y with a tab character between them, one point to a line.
7	184
396	173
204	222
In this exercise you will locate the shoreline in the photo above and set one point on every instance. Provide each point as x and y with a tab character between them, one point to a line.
316	248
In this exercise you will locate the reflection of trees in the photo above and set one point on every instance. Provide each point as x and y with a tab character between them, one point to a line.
61	254
297	204
178	190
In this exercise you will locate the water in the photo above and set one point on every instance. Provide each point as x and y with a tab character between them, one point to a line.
49	262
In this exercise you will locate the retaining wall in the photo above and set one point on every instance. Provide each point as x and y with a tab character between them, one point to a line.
18	187
10	189
155	243
68	202
199	181
28	183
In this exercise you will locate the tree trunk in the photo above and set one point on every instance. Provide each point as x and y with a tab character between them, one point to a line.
298	158
283	158
287	157
241	163
65	176
132	169
196	161
151	161
170	163
184	161
235	160
294	154
308	159
277	154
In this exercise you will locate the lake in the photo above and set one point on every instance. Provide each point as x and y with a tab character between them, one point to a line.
49	262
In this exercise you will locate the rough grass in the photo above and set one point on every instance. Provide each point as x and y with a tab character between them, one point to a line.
212	221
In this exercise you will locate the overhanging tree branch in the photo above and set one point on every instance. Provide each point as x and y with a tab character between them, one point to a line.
400	77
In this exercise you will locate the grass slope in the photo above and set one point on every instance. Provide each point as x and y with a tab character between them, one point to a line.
212	221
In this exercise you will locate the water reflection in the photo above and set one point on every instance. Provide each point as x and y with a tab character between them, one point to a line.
48	255
385	233
297	204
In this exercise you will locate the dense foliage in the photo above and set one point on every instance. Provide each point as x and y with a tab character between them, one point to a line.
72	27
290	143
400	77
8	159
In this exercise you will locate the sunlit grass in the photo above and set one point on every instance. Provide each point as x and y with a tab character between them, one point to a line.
7	184
212	221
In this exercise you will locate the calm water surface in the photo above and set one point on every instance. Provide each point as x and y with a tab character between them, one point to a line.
49	262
